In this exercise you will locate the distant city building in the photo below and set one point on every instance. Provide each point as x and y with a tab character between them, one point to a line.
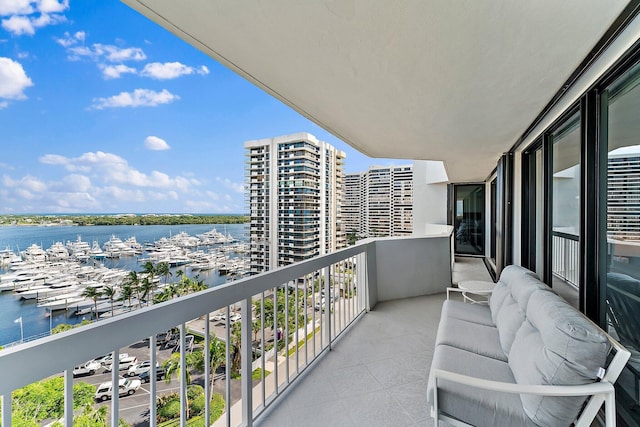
379	202
623	204
295	189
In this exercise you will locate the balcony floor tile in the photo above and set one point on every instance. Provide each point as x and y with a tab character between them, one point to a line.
375	375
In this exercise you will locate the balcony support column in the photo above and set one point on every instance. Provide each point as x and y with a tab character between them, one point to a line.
68	397
246	363
6	409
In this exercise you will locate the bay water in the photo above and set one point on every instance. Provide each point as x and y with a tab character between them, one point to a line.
36	321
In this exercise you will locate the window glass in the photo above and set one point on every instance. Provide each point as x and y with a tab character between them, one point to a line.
622	108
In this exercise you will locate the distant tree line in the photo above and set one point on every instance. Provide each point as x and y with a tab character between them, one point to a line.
121	219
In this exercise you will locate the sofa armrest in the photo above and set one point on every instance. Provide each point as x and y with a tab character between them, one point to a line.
604	389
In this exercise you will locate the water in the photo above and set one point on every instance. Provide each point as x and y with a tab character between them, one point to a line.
35	320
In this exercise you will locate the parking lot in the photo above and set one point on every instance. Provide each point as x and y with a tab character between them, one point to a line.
135	408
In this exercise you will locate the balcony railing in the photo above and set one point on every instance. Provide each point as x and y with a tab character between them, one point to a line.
296	313
566	257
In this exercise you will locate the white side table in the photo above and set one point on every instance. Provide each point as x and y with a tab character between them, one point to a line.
480	291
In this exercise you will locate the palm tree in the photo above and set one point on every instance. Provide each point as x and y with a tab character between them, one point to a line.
217	357
126	292
172	365
149	269
109	292
94	294
236	341
147	289
162	269
133	280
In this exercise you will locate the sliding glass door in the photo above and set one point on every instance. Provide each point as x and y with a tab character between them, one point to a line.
468	219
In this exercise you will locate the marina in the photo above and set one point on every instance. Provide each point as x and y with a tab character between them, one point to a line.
83	270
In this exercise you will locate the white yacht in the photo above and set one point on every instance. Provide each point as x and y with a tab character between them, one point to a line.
34	253
57	252
96	252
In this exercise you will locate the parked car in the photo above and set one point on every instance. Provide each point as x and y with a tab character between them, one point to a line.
235	317
107	359
126	387
139	368
125	364
146	375
320	304
89	368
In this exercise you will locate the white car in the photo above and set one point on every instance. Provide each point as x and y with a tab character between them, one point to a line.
125	363
107	359
139	368
88	368
126	387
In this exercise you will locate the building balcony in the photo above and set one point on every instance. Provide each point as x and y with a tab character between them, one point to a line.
368	283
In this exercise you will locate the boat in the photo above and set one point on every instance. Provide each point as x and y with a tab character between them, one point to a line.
34	253
57	251
115	248
79	249
96	252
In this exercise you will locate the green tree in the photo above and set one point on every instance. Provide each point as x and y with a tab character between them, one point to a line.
162	269
110	292
217	357
92	293
133	280
146	288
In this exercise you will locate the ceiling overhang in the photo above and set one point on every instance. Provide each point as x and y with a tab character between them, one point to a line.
457	81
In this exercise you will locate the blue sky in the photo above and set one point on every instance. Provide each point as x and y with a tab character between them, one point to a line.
101	110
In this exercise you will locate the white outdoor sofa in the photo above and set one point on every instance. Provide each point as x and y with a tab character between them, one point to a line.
526	359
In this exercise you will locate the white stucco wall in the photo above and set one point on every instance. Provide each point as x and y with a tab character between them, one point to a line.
429	196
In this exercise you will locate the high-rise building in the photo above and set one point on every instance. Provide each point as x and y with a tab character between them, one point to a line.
623	181
379	202
295	187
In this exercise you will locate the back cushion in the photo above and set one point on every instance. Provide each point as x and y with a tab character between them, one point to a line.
509	275
556	345
512	312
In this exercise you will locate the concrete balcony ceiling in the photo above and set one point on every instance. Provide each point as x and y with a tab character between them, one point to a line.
458	81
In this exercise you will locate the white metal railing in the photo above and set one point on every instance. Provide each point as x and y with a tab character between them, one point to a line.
295	313
566	257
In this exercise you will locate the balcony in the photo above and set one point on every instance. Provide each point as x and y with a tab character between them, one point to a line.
327	296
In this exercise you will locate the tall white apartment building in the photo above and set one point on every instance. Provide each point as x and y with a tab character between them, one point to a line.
295	188
623	204
379	202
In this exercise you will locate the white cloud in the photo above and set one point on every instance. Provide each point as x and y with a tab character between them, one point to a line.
115	71
170	70
156	144
69	40
137	98
19	25
13	81
235	186
15	7
107	52
52	6
25	16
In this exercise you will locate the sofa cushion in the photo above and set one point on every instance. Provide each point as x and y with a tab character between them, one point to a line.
470	336
476	313
510	275
472	405
556	345
512	312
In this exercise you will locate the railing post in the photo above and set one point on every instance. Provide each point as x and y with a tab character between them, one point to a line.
327	304
68	397
207	370
183	377
152	381
115	386
246	359
6	410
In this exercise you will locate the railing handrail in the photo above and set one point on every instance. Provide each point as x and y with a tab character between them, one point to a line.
68	349
566	235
